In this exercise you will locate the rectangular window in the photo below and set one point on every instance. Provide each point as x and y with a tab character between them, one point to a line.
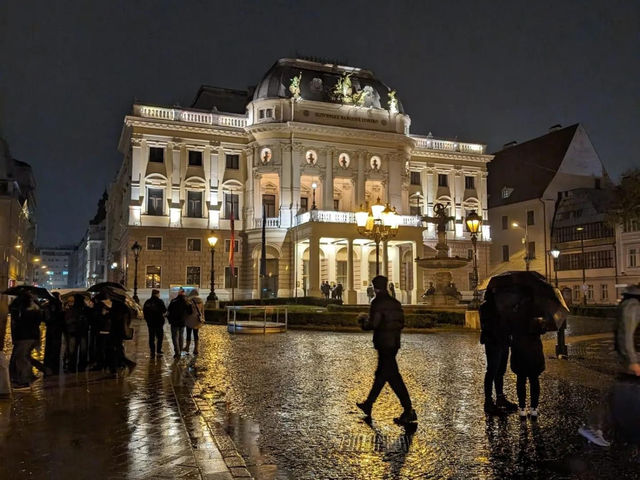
505	253
590	292
304	204
268	113
269	202
415	178
576	293
633	258
231	200
233	161
229	280
152	278
604	292
341	272
469	183
336	204
531	250
193	276
154	243
531	217
261	113
156	154
194	204
195	158
227	245
505	222
155	198
443	180
194	245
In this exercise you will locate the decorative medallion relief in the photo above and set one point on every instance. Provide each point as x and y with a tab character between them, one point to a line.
344	160
265	155
311	157
375	163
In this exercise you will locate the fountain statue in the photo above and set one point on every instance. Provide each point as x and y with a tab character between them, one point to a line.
444	292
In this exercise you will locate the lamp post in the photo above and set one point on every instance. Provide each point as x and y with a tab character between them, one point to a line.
378	223
527	260
212	294
473	222
561	346
314	185
136	248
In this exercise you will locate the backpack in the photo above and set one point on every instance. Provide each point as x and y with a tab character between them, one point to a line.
194	319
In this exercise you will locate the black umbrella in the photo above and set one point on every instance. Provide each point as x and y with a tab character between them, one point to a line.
547	301
39	292
98	287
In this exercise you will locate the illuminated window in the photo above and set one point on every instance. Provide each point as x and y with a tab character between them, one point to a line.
194	204
152	278
193	276
155	197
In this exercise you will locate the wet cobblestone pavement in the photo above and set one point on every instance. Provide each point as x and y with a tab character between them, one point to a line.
282	406
290	402
94	426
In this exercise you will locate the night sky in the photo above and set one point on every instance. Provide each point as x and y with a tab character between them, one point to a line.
489	71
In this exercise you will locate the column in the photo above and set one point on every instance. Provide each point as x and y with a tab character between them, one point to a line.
395	268
249	188
364	264
314	266
360	190
285	186
395	167
222	163
257	197
418	283
175	215
351	292
138	167
295	181
327	190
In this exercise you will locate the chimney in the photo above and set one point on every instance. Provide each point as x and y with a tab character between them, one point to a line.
555	127
510	144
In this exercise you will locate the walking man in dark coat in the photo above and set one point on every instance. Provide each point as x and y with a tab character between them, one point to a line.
154	310
386	320
177	311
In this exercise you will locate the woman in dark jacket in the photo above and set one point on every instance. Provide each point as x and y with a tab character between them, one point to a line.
53	341
527	359
76	329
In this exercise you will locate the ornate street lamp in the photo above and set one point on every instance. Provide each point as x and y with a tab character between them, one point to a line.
561	346
525	240
379	223
212	243
314	185
136	248
474	221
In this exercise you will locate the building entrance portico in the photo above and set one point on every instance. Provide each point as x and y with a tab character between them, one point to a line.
351	262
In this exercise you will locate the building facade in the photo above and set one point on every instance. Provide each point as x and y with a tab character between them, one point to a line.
587	245
87	265
55	265
628	254
526	184
300	154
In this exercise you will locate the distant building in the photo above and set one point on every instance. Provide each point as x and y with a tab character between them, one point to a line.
55	266
299	154
587	245
628	248
87	263
526	183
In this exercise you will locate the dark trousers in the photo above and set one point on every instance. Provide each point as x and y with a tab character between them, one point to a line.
534	387
177	337
195	334
76	352
387	371
497	356
156	336
20	363
52	348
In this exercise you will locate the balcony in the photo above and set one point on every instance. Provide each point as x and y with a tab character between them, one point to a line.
271	222
330	216
431	143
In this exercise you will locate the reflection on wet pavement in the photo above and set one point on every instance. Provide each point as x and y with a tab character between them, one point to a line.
290	408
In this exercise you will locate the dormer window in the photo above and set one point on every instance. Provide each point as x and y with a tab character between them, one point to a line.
265	113
506	192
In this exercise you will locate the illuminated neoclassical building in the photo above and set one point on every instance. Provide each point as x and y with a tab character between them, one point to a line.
301	152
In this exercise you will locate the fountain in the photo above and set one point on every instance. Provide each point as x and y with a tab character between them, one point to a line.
444	293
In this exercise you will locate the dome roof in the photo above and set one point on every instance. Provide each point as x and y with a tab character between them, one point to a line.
318	81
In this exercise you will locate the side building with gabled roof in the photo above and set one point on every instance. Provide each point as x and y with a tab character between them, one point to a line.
525	184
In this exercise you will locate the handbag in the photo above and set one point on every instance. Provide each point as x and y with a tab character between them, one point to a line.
194	320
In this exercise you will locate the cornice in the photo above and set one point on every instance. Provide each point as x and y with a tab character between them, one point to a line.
455	156
131	121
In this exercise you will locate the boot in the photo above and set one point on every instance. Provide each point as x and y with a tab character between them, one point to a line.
186	347
502	402
491	408
365	407
408	416
195	346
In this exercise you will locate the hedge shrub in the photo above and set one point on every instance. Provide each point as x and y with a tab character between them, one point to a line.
313	301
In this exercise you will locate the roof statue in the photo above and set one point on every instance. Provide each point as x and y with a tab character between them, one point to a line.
294	87
393	102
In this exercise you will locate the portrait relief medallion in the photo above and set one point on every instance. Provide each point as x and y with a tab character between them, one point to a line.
344	160
265	155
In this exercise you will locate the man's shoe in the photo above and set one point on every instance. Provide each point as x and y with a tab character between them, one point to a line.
491	408
533	413
365	407
406	417
523	413
502	402
594	436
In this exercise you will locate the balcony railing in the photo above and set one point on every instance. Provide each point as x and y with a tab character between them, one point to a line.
271	222
190	116
448	145
330	216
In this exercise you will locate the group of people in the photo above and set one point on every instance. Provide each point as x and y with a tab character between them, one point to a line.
331	290
93	331
371	292
184	312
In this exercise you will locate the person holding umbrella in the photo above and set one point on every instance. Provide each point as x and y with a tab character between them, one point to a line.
26	316
527	358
